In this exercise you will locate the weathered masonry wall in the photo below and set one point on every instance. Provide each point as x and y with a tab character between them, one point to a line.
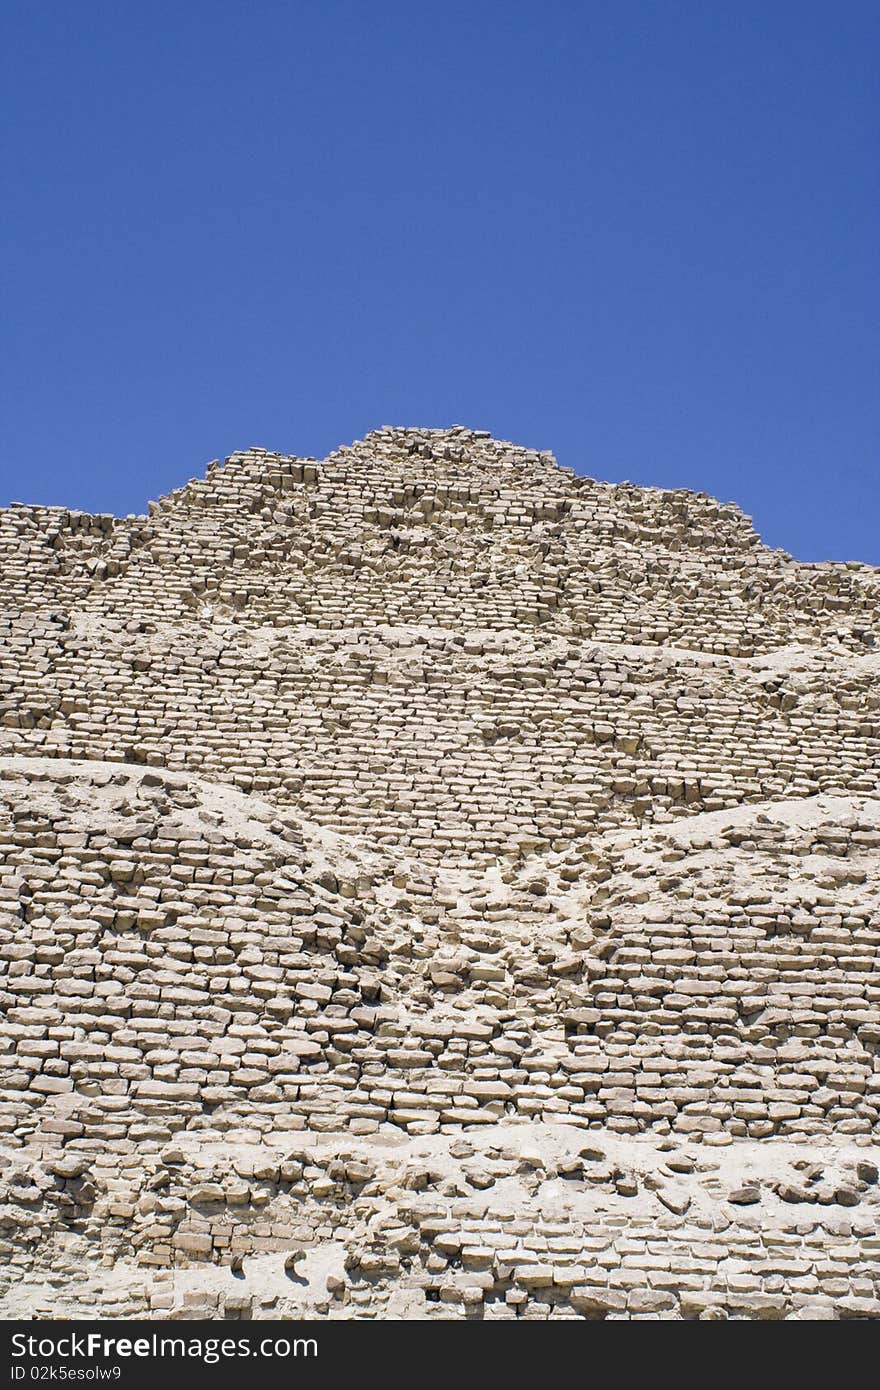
450	877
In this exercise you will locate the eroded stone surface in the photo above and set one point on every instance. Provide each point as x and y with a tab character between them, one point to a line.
435	885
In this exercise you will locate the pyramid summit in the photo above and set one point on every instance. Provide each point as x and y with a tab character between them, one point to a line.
446	872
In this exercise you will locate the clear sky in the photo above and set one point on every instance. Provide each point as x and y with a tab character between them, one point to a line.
641	233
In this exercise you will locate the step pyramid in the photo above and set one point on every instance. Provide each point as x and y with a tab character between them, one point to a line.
435	884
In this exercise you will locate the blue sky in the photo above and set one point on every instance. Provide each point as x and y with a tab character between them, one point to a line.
642	234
